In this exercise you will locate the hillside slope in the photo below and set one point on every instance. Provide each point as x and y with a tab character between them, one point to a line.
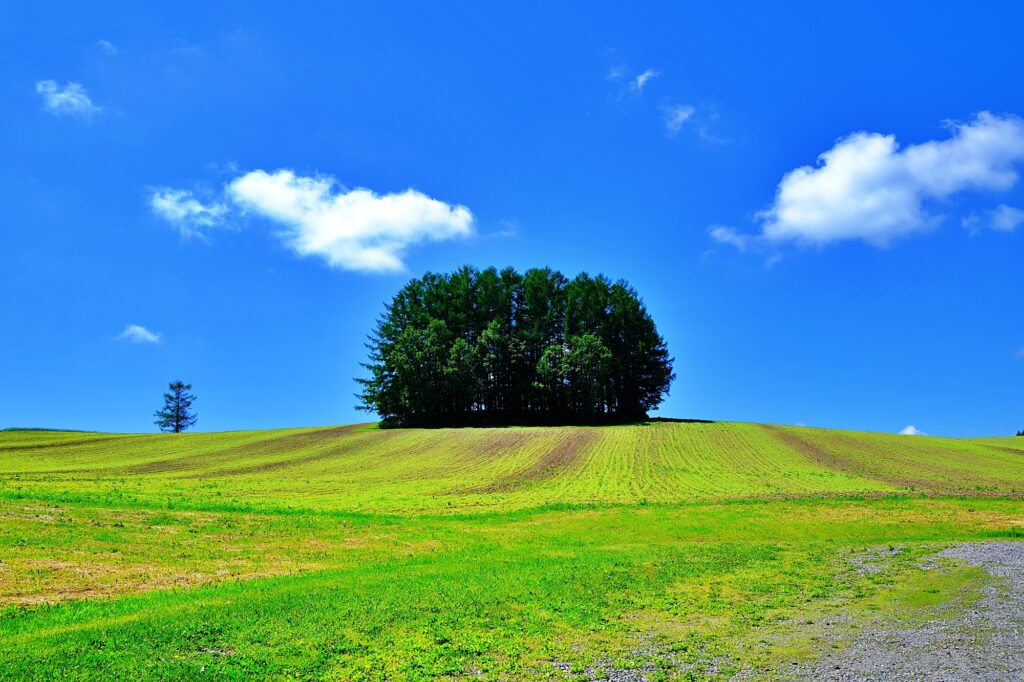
363	468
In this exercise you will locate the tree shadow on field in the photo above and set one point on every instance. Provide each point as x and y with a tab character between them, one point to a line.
646	421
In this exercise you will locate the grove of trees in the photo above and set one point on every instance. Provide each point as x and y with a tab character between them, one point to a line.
500	347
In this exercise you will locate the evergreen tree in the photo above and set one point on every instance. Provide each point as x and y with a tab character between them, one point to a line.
176	415
490	347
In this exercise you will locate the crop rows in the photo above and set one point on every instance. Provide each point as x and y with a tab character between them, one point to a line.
362	468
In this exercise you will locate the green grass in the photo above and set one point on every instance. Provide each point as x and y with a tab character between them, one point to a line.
357	553
475	470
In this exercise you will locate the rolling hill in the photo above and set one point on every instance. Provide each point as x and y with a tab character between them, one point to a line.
667	550
363	468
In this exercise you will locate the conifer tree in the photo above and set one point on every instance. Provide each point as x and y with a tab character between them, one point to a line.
176	415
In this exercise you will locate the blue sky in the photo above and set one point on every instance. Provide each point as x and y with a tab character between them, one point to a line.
821	208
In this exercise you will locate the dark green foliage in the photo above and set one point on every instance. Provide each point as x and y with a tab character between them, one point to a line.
176	415
1021	432
499	347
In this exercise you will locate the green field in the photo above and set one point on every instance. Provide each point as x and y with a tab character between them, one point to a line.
684	549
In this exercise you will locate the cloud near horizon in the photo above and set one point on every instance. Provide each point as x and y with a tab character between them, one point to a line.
351	229
912	430
136	333
867	188
71	100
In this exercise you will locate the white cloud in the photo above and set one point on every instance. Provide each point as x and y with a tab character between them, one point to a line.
1006	218
71	100
724	234
912	430
867	188
189	215
641	79
353	229
631	82
676	116
972	223
107	46
1002	218
762	248
138	334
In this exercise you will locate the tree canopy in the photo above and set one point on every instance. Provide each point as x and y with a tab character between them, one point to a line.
500	347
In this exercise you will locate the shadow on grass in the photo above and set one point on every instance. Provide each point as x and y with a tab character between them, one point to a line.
644	421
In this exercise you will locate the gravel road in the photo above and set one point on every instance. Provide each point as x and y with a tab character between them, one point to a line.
981	643
985	642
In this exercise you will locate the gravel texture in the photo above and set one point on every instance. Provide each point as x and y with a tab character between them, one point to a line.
984	642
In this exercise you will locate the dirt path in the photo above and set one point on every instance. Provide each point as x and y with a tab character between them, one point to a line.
985	642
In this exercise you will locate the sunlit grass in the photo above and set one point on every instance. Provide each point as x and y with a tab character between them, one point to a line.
696	549
468	470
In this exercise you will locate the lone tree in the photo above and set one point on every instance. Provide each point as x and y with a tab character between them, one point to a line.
176	415
500	347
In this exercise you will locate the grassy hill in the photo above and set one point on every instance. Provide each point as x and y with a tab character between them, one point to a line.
363	468
684	550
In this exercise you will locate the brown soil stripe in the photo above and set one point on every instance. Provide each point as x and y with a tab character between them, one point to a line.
60	444
999	448
268	446
342	447
184	462
835	461
567	451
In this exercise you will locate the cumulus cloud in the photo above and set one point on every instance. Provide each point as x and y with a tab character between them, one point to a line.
866	187
912	430
676	115
352	229
186	213
107	46
70	100
136	333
